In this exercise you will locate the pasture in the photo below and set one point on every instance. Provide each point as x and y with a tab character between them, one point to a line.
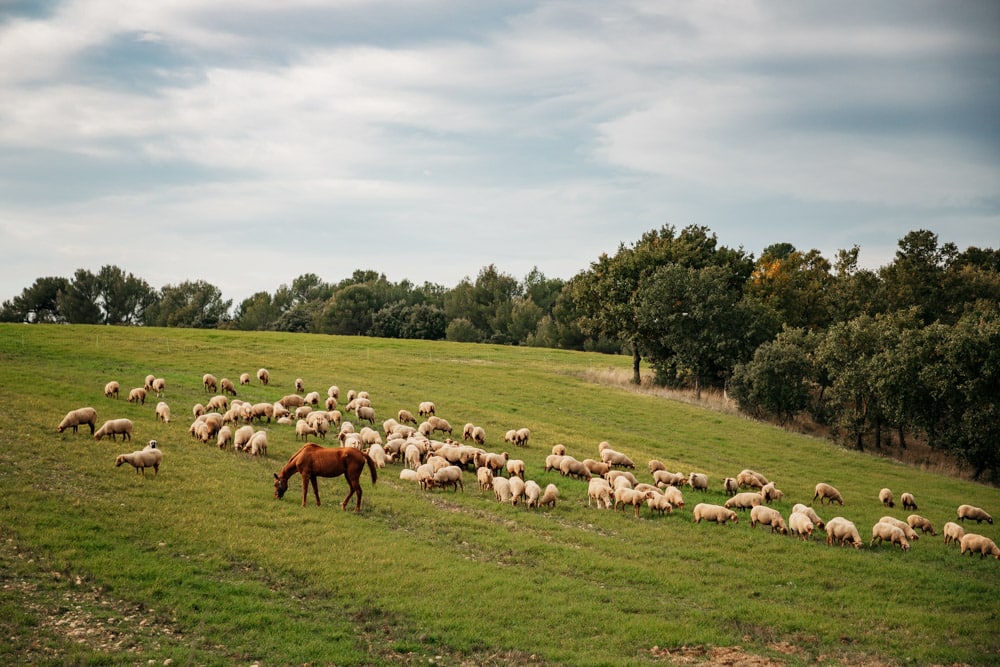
200	564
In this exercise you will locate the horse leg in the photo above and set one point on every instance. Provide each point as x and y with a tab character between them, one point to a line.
354	482
315	482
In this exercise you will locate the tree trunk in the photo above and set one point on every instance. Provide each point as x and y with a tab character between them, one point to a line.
878	433
636	379
902	438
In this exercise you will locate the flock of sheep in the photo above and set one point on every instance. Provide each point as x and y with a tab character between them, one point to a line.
442	464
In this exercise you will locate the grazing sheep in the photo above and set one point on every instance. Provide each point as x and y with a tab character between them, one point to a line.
406	417
953	533
217	403
598	468
333	392
263	376
549	496
751	478
148	457
908	502
916	521
885	497
843	531
973	512
448	476
439	424
75	418
408	475
148	384
244	379
330	403
198	410
425	409
312	398
378	454
659	503
616	459
304	429
163	412
744	500
624	496
501	489
553	461
113	427
367	414
612	475
698	481
292	401
655	465
770	492
260	411
980	544
902	525
300	386
159	386
226	386
800	524
242	437
137	395
515	468
521	437
600	491
303	411
826	492
767	516
663	478
730	486
811	513
885	531
225	437
209	382
716	513
517	486
111	389
467	431
485	478
479	435
674	495
412	456
570	467
510	436
258	444
532	493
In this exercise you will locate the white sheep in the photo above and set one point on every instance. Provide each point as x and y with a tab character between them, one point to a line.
244	379
366	413
770	492
663	478
515	468
532	493
549	496
479	435
449	476
406	417
626	496
522	436
198	410
300	385
163	412
885	497
408	475
258	444
716	513
516	485
112	389
225	437
658	502
312	398
698	481
485	478
260	411
559	449
76	418
800	524
439	424
953	532
137	395
973	512
744	500
159	387
226	386
599	491
767	516
263	376
412	456
730	486
501	489
113	427
984	546
148	457
612	475
209	382
655	465
291	401
916	521
843	532
902	525
425	409
811	513
217	403
825	491
884	531
304	429
598	468
674	495
553	461
751	479
616	459
242	437
909	503
148	384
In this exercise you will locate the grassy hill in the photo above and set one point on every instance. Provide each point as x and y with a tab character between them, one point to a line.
201	565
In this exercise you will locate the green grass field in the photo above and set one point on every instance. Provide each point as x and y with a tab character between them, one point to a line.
201	565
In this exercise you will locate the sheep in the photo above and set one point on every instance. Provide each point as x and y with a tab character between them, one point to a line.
811	513
698	481
549	496
973	512
984	546
621	483
159	387
260	411
716	513
312	398
770	492
902	525
226	386
209	382
885	497
495	462
800	524
843	531
655	465
599	490
330	403
163	412
485	478
111	389
76	418
408	475
351	395
198	410
614	458
406	417
521	437
751	478
598	468
559	449
439	424
916	521
113	427
674	495
664	478
148	384
449	476
479	435
745	500
631	497
570	467
908	502
333	392
412	456
263	376
303	411
767	516
137	395
244	379
148	457
884	531
291	401
242	437
258	444
225	437
366	413
612	475
425	409
217	403
378	454
304	429
501	489
659	503
553	461
826	492
730	486
300	386
517	487
425	473
532	493
467	431
510	436
515	468
369	436
953	532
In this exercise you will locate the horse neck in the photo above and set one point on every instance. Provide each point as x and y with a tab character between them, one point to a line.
290	468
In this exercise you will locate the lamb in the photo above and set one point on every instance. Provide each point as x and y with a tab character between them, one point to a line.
369	436
449	476
148	384
751	478
631	497
953	533
304	429
467	431
800	524
885	497
198	410
532	493
263	376
549	496
406	417
111	389
225	437
767	516
292	401
303	411
843	531
260	411
300	386
716	513
570	467
902	525
908	502
425	409
408	475
745	500
366	413
495	462
113	427
811	513
412	456
659	503
244	379
258	444
916	521
312	398
510	436
378	454
980	544
485	478
612	475
826	492
226	386
884	531
479	435
553	461
330	403
600	491
148	457
770	492
163	412
698	481
501	489
973	512
76	418
730	486
137	395
209	382
515	468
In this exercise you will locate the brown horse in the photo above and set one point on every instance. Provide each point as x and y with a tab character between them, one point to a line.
313	461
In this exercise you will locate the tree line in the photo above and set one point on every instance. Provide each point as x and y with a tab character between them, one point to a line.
910	350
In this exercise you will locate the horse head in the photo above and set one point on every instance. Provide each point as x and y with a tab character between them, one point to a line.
280	486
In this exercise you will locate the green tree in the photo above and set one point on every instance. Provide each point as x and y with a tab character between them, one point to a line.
37	303
855	291
524	318
846	354
916	275
776	382
257	313
461	330
124	298
79	303
350	311
190	304
794	285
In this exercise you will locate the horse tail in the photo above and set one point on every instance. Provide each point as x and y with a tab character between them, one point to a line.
371	467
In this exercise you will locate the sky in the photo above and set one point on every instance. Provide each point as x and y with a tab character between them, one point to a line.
247	142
